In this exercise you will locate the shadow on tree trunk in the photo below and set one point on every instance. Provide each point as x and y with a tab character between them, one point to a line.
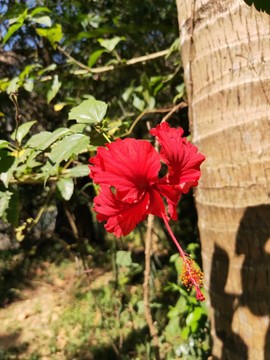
252	242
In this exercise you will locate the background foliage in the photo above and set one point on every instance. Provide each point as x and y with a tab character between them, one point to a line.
73	76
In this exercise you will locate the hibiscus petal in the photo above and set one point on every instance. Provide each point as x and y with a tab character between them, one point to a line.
129	165
156	204
121	217
172	195
181	157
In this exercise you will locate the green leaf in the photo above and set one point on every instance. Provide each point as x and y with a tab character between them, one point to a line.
151	102
59	106
13	85
22	131
31	161
173	329
45	139
28	85
65	187
179	308
54	89
13	209
94	57
17	23
7	166
5	197
185	332
78	171
54	34
176	45
195	316
43	20
93	19
123	258
40	9
90	111
138	103
110	44
70	145
127	93
12	29
46	69
181	92
6	161
78	128
4	144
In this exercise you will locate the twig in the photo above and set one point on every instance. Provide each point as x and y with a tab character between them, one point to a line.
181	105
102	69
146	294
13	98
76	234
169	110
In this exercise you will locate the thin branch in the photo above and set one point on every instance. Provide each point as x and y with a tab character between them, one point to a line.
102	69
177	107
75	231
170	111
14	99
146	293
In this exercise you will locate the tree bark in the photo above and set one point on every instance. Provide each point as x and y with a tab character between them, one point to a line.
226	59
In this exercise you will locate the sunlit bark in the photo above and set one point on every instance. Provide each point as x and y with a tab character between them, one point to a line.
226	58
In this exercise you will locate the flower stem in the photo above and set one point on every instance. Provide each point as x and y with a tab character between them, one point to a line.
182	253
191	275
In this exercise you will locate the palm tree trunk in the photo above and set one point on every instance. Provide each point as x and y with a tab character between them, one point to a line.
226	59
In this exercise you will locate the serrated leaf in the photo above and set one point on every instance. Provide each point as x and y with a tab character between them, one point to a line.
65	186
43	20
110	44
22	131
78	171
5	197
90	111
7	165
13	208
56	85
45	139
70	145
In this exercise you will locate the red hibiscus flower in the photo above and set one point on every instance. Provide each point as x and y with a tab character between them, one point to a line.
130	188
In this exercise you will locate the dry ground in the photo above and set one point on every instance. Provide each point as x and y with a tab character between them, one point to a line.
27	325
